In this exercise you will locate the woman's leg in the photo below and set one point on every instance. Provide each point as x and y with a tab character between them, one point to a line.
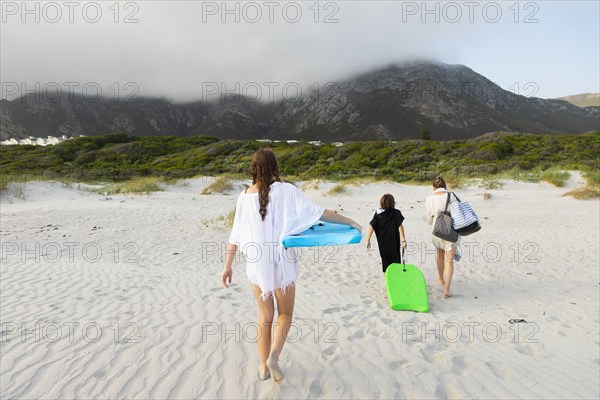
449	270
439	259
265	322
285	310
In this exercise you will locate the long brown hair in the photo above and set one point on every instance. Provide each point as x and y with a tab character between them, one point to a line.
264	172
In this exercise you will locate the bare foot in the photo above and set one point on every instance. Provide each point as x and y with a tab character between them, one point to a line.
276	372
441	281
263	373
447	294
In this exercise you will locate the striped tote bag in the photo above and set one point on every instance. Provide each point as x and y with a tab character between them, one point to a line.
464	219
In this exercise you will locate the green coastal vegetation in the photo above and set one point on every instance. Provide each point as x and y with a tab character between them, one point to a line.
129	162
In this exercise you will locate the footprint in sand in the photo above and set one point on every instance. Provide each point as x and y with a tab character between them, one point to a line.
359	334
429	356
565	325
314	390
441	392
497	369
348	321
99	374
458	365
528	350
380	330
415	370
348	318
444	391
331	310
331	352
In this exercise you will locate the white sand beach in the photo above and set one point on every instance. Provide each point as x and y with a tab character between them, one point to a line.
119	297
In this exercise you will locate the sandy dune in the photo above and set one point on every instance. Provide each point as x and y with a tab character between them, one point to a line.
119	297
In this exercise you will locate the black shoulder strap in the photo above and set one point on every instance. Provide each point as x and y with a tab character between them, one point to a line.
456	196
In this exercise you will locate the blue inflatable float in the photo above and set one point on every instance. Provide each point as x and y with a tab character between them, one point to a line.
323	234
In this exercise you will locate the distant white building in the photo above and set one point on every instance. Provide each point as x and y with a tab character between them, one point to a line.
315	142
50	140
292	141
9	142
337	144
264	140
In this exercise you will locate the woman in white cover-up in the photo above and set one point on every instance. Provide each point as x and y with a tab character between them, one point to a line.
446	252
265	213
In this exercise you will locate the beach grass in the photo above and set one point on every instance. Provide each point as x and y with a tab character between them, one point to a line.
337	189
7	179
555	176
490	184
312	184
10	183
457	181
584	193
66	181
174	181
356	181
17	190
143	185
591	190
592	176
222	184
222	222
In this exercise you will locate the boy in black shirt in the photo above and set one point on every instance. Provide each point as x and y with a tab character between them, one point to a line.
387	225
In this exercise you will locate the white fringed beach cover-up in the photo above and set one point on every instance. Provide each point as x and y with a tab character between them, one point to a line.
268	264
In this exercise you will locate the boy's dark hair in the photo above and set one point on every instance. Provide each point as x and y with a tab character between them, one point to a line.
387	202
439	182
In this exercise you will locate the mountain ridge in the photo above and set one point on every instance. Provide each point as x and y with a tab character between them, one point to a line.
583	99
391	102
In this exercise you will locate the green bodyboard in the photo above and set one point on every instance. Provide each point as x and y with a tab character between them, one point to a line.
406	288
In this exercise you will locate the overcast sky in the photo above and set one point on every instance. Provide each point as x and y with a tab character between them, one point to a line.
181	49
